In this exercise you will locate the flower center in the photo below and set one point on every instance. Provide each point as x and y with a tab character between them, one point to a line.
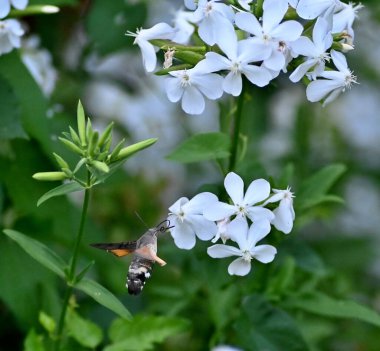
185	80
349	80
246	256
208	9
323	57
236	67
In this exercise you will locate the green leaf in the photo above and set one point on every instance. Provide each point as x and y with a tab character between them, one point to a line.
10	125
314	189
60	190
202	147
85	332
265	327
324	305
47	322
103	296
39	252
143	332
33	342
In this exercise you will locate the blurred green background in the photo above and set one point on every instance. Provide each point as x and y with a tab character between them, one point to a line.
94	61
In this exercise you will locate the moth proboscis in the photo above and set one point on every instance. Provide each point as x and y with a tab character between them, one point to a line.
144	252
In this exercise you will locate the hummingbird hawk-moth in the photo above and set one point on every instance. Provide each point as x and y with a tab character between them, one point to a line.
144	252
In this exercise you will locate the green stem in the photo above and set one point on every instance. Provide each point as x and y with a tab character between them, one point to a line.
71	273
236	131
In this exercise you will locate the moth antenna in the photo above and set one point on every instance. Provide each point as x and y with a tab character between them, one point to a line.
141	220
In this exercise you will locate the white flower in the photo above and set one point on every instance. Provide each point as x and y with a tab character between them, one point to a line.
222	232
310	9
243	204
5	6
314	51
188	220
10	35
343	20
271	32
225	348
191	4
239	56
284	213
184	29
334	83
189	85
39	63
158	31
214	20
247	240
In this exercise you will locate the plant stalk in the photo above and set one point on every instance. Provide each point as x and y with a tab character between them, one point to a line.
71	273
236	131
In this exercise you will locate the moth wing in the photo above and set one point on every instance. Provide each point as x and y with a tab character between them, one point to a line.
118	249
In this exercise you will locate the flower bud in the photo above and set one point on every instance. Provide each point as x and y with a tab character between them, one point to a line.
132	149
61	162
100	166
81	123
50	176
70	145
107	134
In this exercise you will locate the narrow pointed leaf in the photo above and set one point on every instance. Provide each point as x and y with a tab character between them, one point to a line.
103	296
39	252
60	190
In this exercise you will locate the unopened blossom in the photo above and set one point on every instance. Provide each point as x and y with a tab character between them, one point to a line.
284	213
188	220
271	32
190	85
5	6
344	19
10	35
214	20
247	239
244	205
314	50
334	82
142	37
310	9
240	56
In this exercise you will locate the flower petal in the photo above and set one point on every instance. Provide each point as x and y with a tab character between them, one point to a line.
193	101
176	207
257	231
264	253
222	251
257	191
283	220
238	230
235	187
256	213
148	55
203	228
239	267
233	83
173	89
219	211
183	235
249	23
200	202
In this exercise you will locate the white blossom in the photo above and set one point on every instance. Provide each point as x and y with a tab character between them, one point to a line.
314	51
247	240
184	29
271	32
310	9
190	85
39	63
10	35
334	82
240	55
5	6
244	205
284	213
214	20
188	220
142	37
344	20
222	231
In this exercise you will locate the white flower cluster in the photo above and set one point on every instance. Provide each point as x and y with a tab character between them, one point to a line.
240	44
245	221
11	30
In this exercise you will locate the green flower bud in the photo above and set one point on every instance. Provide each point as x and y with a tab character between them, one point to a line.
50	176
61	162
100	166
70	145
189	56
81	123
89	130
74	136
107	134
132	149
117	149
93	143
